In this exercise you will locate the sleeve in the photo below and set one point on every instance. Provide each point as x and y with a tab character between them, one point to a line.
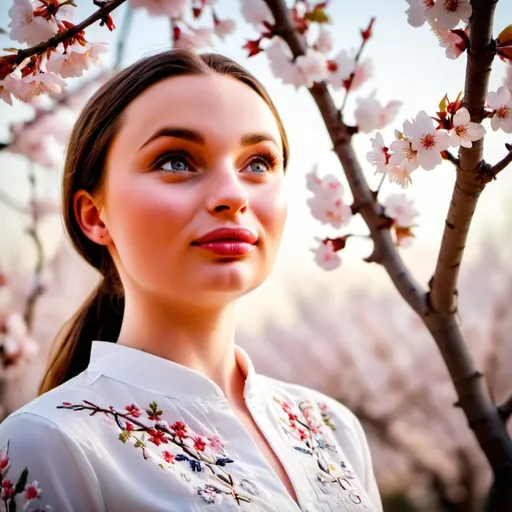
42	467
370	482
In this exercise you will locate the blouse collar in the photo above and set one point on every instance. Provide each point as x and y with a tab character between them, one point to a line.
156	374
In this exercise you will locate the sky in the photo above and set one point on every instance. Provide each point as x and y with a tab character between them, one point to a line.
409	66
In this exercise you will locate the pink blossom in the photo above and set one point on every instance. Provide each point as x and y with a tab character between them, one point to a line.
449	13
27	28
401	209
256	12
465	132
453	43
7	489
327	204
362	73
426	140
32	491
312	67
9	87
326	257
418	11
501	103
223	28
379	157
341	67
39	83
43	207
324	42
171	8
133	410
370	115
196	38
75	59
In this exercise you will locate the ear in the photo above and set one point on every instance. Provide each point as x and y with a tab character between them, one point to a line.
89	216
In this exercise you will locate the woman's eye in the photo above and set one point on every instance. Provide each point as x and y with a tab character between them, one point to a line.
175	164
259	166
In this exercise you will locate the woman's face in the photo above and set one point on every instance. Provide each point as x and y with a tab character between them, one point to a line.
195	154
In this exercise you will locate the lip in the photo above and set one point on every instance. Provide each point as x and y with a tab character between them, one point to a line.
228	241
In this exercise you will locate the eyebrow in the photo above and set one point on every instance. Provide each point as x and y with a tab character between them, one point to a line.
249	139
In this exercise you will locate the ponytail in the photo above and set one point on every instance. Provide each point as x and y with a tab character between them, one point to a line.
99	318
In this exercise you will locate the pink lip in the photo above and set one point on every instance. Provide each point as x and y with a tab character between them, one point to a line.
228	241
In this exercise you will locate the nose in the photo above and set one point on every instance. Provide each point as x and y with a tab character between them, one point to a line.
227	194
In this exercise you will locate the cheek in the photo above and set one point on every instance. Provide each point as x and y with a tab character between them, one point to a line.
145	214
271	208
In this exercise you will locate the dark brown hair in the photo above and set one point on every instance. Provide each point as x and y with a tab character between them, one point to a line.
100	317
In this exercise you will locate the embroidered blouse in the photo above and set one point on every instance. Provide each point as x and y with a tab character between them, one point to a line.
138	432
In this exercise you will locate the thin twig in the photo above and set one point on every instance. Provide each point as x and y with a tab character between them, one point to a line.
350	80
447	155
54	41
503	163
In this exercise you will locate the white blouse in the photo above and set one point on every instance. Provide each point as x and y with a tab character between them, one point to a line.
135	432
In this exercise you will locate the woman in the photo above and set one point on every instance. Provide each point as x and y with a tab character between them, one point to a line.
173	190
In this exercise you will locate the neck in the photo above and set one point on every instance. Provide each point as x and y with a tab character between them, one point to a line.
201	339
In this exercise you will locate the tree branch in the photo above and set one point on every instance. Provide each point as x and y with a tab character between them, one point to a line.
54	41
468	186
447	155
385	251
503	163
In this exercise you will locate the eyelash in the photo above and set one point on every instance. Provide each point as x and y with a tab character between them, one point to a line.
269	158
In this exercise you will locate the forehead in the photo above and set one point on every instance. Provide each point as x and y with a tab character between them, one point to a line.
219	106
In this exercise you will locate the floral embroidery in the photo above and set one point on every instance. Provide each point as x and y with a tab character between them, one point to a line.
10	490
179	443
305	423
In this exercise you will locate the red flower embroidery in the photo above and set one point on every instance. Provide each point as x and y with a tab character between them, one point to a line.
180	429
168	457
32	491
133	410
157	436
199	444
7	489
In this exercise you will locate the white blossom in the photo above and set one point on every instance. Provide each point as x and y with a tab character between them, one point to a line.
39	83
501	102
403	155
465	132
224	27
370	115
426	140
77	58
399	175
362	73
449	13
379	156
418	11
324	42
401	209
312	68
453	44
342	66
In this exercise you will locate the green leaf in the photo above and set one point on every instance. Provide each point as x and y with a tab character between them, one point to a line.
317	15
124	436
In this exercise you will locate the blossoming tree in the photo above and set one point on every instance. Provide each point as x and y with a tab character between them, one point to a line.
294	36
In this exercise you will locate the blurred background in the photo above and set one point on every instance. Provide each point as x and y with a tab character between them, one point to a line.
346	333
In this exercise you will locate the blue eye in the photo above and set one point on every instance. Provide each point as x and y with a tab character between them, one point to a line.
259	166
262	163
172	162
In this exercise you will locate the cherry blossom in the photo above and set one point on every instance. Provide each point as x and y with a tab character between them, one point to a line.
172	8
465	132
9	87
455	42
223	28
341	67
403	155
15	340
39	83
312	67
501	103
324	42
75	59
326	257
256	12
426	140
400	175
401	209
27	28
418	11
33	491
379	157
280	61
327	204
363	72
370	115
449	13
